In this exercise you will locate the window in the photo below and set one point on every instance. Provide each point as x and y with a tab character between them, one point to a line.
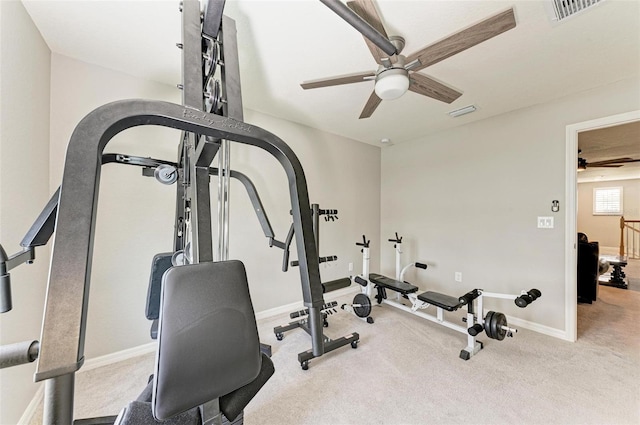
607	201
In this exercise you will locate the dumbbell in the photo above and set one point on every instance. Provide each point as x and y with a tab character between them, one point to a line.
530	296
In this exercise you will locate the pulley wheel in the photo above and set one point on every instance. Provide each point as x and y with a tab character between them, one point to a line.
364	308
210	58
166	174
214	94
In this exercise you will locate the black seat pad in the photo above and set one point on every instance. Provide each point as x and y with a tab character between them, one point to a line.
395	285
447	302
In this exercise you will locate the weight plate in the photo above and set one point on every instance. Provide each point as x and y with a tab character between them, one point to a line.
487	324
500	320
364	308
494	325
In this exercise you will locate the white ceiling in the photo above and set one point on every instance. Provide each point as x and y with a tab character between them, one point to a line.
283	43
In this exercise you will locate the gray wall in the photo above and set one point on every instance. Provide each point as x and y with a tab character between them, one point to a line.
606	228
24	187
467	200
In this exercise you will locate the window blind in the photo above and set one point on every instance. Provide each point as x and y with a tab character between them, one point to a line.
607	201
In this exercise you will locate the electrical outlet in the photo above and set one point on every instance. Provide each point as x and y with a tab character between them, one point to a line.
545	222
458	276
350	267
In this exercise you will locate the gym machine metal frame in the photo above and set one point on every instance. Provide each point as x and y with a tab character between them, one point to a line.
204	134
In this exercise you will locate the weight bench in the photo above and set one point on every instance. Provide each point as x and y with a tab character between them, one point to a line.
383	282
493	323
447	302
208	365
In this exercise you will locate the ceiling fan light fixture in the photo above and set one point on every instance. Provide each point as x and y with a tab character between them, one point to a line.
392	83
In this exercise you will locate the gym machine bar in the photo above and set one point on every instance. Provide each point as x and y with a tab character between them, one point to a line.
232	108
212	17
43	227
361	25
197	191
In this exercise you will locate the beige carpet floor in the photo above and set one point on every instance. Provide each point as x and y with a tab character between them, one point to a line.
407	371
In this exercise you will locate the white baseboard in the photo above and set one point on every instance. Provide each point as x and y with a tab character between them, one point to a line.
118	356
536	327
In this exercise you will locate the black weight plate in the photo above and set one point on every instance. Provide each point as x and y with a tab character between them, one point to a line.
494	325
365	305
487	324
500	321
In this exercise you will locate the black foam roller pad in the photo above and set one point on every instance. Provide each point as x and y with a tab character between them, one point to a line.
334	285
234	403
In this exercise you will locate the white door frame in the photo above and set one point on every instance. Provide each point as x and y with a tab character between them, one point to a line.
571	218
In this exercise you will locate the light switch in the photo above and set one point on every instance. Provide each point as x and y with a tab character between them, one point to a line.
545	222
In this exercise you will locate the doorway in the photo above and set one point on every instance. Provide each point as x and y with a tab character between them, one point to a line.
571	190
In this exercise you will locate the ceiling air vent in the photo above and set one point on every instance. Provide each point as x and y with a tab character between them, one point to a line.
562	9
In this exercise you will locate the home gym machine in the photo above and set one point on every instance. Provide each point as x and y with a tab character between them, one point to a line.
302	321
209	365
494	324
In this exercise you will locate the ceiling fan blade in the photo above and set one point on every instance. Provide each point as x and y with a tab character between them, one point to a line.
367	11
338	80
464	39
612	161
604	166
426	86
371	105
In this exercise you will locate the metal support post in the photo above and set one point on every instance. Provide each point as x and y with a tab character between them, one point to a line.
58	400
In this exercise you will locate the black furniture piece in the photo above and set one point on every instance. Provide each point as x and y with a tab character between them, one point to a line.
617	278
588	264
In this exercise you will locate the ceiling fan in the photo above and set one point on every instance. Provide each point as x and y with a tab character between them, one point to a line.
397	73
583	164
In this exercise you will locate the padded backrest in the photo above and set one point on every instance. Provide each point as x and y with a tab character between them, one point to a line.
208	342
160	264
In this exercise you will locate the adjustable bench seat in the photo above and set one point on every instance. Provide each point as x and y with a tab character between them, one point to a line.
447	302
395	285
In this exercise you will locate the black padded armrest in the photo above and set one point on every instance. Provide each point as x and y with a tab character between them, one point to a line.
208	342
